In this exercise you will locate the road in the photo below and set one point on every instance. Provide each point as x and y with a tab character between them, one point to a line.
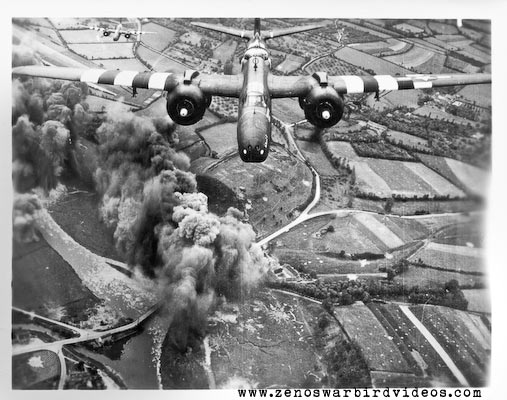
84	335
434	343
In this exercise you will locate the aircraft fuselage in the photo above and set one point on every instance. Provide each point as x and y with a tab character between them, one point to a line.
254	108
117	33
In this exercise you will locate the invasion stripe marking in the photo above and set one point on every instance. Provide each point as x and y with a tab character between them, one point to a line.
405	83
370	84
125	78
422	85
107	78
386	82
141	80
354	84
92	75
157	80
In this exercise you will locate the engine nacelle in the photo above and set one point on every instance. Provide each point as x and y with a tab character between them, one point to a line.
186	104
323	106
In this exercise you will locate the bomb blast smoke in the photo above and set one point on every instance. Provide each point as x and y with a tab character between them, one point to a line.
46	115
163	226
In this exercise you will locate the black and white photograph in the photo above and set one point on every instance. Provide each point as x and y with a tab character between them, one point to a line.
251	202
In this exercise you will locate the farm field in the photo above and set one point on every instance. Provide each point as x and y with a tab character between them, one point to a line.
429	277
326	267
400	178
434	65
479	300
451	258
66	23
460	337
367	61
334	66
380	352
407	139
397	98
290	64
435	223
225	51
476	54
443	28
349	235
313	152
469	234
368	181
342	149
158	62
131	64
481	94
263	338
287	110
50	33
440	165
380	230
28	376
459	65
436	113
475	179
39	270
159	40
412	58
406	229
387	46
221	138
441	185
103	50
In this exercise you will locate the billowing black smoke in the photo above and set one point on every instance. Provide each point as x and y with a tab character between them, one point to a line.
162	224
23	217
46	116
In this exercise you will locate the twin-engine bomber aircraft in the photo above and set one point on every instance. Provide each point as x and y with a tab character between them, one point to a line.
189	94
117	32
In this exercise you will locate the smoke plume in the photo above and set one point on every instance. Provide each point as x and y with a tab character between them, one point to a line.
23	223
46	115
163	226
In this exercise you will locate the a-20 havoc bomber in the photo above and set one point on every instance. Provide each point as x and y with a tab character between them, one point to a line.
350	257
320	95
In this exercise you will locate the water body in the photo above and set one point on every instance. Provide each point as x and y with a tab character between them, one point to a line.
134	358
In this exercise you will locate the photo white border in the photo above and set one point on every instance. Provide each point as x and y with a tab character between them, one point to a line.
496	10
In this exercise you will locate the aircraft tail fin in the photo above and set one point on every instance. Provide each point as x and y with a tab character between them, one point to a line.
290	31
244	34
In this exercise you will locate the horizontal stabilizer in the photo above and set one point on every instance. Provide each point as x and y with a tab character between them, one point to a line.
289	31
241	33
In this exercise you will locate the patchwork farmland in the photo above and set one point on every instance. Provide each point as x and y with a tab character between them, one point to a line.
386	177
450	258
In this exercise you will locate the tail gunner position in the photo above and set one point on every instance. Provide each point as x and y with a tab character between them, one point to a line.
189	94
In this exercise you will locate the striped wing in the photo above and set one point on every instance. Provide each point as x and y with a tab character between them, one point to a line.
291	86
212	85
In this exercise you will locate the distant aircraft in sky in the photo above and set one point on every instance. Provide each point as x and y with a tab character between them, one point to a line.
320	95
117	32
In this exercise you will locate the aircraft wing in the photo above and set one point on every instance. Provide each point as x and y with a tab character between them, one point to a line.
294	86
210	84
95	28
134	32
224	29
290	31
